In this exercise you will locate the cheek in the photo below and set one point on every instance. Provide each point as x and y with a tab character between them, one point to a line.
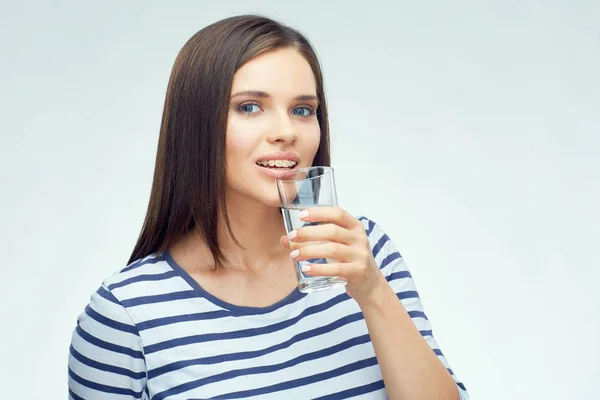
239	145
311	145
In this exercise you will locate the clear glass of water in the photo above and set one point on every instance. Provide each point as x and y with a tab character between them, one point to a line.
301	189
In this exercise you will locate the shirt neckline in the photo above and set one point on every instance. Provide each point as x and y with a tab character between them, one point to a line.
294	296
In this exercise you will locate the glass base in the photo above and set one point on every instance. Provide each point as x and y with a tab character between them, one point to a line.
318	284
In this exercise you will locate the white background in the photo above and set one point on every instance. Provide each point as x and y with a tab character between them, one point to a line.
468	129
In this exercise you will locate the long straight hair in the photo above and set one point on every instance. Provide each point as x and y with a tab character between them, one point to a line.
188	189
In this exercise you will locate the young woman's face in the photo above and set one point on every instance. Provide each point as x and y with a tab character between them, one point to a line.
272	126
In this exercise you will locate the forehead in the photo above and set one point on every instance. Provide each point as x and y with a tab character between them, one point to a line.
279	71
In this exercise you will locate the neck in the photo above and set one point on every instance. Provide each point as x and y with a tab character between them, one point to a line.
256	227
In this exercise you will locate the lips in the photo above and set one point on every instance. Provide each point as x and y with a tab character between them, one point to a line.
278	160
276	172
278	164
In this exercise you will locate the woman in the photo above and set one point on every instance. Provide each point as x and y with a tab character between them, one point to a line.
208	306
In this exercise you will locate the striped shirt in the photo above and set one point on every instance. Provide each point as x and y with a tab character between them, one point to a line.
151	332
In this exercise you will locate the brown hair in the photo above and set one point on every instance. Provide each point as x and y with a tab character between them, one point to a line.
188	190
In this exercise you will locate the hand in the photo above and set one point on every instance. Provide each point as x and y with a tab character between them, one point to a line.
341	237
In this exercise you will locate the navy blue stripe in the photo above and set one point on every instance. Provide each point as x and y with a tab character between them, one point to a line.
153	323
102	292
371	227
103	388
161	298
302	381
394	256
459	384
133	265
110	322
74	396
108	346
438	352
377	248
257	353
144	278
398	275
141	262
370	223
426	333
182	341
293	297
410	294
417	314
105	367
264	369
346	394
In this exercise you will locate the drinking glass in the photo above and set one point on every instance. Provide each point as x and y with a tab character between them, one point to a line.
302	189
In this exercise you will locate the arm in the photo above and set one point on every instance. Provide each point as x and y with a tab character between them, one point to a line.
106	359
408	366
411	362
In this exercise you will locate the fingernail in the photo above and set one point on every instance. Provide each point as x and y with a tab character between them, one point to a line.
306	268
303	214
292	235
294	253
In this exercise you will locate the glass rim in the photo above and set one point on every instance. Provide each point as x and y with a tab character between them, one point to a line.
325	171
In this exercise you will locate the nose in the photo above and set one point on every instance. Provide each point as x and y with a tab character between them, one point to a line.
282	129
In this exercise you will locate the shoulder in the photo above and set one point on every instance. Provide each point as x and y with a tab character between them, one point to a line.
106	323
384	250
150	264
141	291
374	231
143	276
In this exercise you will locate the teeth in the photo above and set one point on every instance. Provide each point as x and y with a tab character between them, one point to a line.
277	163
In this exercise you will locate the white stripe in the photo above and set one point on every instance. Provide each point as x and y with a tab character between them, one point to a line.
107	357
142	288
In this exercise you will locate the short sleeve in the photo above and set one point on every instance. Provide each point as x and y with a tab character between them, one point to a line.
106	359
397	274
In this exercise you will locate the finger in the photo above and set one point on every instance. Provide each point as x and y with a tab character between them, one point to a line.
331	250
284	241
344	270
330	232
292	245
334	215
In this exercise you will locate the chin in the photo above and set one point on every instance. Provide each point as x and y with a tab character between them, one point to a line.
251	190
266	196
270	200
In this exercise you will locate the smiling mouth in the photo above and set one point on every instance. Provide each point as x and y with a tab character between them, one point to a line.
277	164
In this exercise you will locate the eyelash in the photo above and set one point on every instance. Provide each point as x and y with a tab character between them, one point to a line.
311	111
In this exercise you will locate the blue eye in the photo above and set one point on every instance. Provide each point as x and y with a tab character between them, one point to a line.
249	108
303	111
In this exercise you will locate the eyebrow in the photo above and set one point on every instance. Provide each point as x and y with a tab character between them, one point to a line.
265	95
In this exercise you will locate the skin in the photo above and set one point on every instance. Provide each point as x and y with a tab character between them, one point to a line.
262	273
